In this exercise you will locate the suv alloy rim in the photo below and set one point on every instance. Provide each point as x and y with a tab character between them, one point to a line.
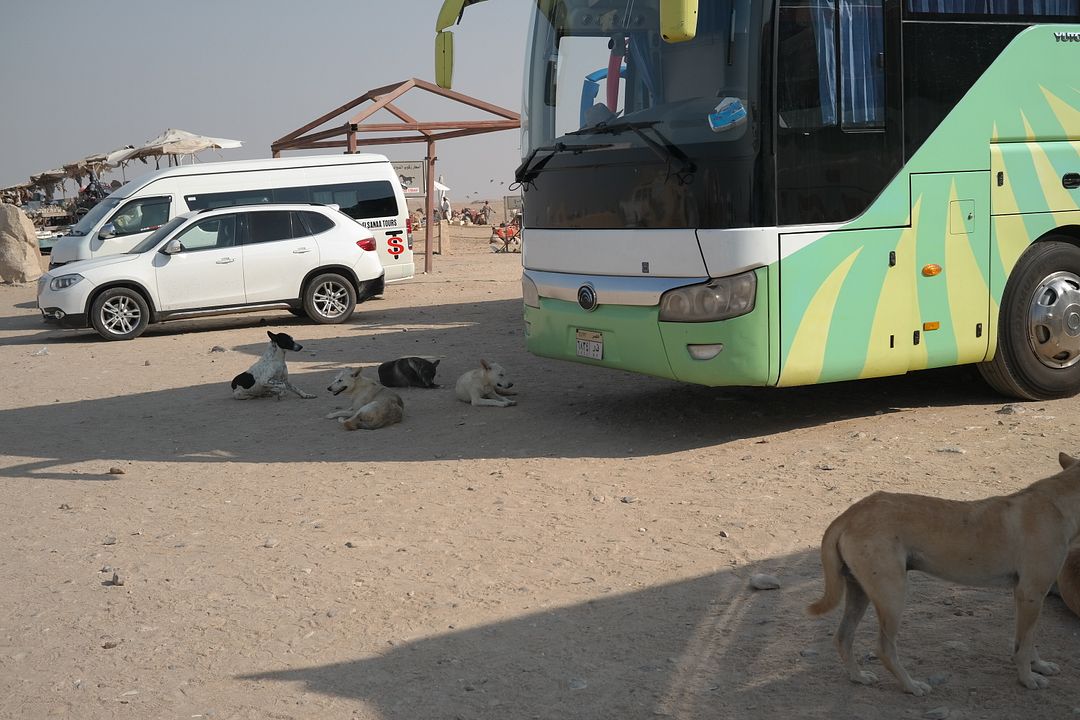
330	299
120	315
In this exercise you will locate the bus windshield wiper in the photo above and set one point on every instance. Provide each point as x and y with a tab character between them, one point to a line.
530	168
662	146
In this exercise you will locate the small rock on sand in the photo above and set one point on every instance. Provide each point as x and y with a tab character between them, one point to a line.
763	581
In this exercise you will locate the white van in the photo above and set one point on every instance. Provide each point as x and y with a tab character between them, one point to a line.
365	187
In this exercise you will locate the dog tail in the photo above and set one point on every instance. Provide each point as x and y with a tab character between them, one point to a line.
833	566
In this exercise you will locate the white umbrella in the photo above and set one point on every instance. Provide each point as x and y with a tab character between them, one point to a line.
181	142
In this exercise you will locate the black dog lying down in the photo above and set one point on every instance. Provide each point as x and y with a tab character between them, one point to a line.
408	372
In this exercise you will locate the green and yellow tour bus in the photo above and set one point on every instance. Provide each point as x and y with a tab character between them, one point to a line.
791	192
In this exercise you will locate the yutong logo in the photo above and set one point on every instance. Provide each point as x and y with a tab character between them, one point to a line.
586	297
1067	36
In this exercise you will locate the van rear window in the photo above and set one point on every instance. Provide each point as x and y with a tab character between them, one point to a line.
358	200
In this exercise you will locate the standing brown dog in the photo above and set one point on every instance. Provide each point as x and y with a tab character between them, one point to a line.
1019	541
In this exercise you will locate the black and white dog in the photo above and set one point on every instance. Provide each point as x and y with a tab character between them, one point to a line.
269	377
408	372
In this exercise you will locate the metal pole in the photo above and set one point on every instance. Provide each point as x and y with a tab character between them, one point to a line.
429	207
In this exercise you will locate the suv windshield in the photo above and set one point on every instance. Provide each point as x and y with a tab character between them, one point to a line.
151	240
597	63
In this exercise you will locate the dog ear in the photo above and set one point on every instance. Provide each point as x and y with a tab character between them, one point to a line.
1066	461
435	363
270	335
356	372
484	364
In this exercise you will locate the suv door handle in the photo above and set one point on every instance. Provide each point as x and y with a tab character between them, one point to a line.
1070	181
224	261
300	251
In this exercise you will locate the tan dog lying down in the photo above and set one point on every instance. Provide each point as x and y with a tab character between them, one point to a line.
1018	541
1068	582
371	405
486	385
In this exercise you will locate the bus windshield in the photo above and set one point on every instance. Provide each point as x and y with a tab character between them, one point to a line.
601	67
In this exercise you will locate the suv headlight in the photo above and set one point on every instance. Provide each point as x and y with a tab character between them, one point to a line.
63	282
718	299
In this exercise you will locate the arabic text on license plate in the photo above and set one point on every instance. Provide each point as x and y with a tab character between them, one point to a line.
590	344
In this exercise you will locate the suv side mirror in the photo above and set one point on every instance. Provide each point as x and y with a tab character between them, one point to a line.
173	247
108	230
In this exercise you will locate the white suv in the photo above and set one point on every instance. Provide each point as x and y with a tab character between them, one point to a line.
309	259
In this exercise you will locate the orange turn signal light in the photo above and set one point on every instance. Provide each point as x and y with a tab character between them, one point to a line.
931	270
928	326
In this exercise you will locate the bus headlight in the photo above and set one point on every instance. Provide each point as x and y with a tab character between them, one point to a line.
717	299
64	281
529	293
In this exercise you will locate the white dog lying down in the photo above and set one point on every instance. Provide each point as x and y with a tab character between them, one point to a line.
485	385
269	376
371	405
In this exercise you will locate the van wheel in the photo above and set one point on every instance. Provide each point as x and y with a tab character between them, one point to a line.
1038	345
119	314
329	299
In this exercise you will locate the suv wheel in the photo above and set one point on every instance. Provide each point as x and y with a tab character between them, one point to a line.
329	299
120	314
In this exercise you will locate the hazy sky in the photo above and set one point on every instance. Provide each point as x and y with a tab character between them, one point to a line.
88	77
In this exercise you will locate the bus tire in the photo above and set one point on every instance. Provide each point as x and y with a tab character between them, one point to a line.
1038	342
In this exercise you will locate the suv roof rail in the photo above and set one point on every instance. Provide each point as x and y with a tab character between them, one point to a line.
257	204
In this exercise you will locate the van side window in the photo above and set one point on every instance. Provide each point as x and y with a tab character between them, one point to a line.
142	215
317	222
274	225
359	200
228	199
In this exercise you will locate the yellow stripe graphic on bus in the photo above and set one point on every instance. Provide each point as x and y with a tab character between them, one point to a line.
898	290
964	280
1057	196
808	348
1067	115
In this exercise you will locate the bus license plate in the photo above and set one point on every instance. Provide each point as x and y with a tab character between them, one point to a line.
590	344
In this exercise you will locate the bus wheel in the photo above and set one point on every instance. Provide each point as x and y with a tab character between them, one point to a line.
1038	346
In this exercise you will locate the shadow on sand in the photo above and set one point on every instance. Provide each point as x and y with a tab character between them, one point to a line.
709	647
564	410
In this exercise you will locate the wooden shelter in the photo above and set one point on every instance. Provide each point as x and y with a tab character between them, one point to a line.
347	134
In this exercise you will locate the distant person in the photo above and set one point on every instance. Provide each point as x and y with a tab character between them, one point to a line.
444	207
487	212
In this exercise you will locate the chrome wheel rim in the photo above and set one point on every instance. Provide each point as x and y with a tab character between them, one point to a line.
1054	320
331	299
120	315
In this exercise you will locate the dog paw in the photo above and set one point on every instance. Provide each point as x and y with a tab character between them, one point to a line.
1045	668
864	677
918	689
1034	681
307	396
509	402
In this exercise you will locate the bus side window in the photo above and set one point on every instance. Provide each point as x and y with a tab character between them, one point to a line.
831	68
805	73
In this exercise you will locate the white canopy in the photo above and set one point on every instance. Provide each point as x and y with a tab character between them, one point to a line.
181	142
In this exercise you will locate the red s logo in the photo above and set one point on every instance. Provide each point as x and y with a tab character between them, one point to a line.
395	246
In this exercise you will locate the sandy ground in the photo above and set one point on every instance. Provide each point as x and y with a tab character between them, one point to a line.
584	554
